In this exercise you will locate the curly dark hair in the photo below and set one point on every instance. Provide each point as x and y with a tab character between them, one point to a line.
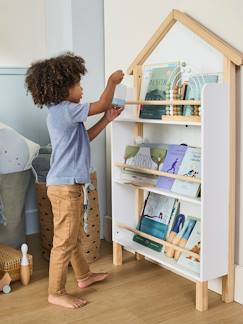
49	80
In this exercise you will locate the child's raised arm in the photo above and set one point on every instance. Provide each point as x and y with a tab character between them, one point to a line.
106	98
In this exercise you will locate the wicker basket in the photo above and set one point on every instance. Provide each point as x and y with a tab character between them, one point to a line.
91	241
10	262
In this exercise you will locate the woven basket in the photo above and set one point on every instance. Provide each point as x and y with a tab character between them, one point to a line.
90	241
10	262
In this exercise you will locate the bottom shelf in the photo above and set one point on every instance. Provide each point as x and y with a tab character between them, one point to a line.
124	238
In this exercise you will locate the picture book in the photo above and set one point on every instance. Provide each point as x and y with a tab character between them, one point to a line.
145	156
193	244
172	162
194	88
196	83
159	208
153	87
151	227
190	167
186	232
174	214
155	219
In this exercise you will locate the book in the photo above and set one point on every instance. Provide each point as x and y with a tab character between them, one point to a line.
154	228
149	156
155	78
155	219
194	89
185	236
146	155
193	244
177	227
190	167
196	83
172	162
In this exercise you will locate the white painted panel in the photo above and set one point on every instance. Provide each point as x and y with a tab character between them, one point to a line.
215	175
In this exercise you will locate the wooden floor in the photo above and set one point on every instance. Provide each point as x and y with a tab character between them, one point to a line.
138	292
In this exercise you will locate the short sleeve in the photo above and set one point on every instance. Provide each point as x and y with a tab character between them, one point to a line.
78	112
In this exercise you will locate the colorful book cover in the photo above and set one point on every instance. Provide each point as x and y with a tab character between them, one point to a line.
155	219
154	228
175	212
159	208
196	82
149	156
154	81
190	167
194	88
172	162
193	244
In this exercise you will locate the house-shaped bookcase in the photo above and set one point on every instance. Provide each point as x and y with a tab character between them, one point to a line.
216	134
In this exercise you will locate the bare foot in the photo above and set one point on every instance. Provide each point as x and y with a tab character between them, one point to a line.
66	300
93	278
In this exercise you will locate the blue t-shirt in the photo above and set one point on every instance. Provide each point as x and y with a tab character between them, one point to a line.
70	159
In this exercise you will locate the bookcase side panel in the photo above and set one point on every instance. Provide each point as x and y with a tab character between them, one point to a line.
215	175
122	134
123	198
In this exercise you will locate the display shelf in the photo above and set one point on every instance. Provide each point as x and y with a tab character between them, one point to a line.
125	239
157	173
155	239
163	192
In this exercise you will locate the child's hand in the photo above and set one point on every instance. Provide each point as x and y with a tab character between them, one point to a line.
116	77
112	112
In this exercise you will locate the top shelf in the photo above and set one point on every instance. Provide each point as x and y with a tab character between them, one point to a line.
164	102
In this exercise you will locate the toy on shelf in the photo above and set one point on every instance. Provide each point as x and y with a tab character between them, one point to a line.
119	96
5	283
24	266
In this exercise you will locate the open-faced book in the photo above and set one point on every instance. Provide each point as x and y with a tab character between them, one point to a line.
145	156
155	219
190	167
193	244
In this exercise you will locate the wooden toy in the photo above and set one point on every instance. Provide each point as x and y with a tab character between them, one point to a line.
5	283
24	266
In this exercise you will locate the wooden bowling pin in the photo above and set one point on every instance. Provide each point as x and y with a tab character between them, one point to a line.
24	266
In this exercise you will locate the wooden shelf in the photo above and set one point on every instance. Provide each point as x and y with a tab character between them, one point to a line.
157	121
182	118
164	102
158	173
163	192
157	240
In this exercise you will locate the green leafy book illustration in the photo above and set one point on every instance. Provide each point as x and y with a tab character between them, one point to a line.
148	156
154	82
155	219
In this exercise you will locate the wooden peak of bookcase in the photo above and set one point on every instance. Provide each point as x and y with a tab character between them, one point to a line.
174	16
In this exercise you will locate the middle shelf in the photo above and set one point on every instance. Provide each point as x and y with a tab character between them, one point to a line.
152	188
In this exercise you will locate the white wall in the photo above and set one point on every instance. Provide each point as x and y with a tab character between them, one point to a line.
124	38
30	30
88	42
22	32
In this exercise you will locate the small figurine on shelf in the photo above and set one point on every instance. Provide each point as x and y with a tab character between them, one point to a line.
5	283
24	266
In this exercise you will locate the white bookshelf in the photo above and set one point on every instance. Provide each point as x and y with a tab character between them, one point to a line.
212	135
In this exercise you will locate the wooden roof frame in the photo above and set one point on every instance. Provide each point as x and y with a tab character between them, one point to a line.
215	41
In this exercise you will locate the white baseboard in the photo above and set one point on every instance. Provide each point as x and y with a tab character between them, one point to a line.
239	284
216	285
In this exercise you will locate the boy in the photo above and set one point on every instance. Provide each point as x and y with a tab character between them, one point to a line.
55	83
